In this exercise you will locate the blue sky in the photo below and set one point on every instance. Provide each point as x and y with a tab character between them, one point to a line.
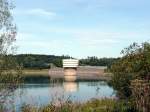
80	28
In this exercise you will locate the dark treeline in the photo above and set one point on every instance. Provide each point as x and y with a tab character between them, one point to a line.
36	61
95	61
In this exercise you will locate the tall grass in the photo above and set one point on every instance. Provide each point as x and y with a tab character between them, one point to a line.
93	105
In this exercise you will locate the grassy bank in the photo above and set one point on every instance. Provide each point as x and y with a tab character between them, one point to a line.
36	76
36	72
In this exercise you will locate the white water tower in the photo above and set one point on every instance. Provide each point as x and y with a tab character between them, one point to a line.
70	69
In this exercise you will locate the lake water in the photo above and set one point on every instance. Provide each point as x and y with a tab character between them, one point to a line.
42	94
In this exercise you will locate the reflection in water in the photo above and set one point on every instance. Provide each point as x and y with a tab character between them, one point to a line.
70	86
42	94
98	83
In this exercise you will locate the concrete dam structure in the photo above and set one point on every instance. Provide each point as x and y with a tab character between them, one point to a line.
70	69
71	72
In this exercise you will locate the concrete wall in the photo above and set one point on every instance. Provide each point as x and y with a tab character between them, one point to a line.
70	69
70	74
83	73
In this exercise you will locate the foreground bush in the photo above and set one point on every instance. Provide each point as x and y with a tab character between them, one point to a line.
135	64
131	76
141	94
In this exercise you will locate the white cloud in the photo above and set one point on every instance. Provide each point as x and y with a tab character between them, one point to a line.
93	39
42	12
96	39
35	12
83	38
78	42
21	36
32	41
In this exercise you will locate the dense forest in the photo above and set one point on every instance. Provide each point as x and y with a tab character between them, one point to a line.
95	61
36	61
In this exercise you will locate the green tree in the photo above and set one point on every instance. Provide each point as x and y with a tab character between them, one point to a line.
10	71
135	64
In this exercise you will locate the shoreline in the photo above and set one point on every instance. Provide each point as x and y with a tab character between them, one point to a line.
56	74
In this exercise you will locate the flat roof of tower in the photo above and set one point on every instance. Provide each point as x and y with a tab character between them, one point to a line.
70	63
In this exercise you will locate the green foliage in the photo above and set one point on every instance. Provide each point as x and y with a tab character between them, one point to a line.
33	61
94	61
10	71
135	64
141	94
7	28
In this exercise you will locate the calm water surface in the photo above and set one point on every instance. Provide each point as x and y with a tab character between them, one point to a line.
42	94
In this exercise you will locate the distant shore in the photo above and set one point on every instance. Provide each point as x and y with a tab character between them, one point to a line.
83	74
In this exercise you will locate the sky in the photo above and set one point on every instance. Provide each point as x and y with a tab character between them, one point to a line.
80	28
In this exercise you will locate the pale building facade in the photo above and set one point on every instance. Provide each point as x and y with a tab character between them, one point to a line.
70	69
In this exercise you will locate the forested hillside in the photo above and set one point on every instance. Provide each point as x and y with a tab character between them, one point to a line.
95	61
36	61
